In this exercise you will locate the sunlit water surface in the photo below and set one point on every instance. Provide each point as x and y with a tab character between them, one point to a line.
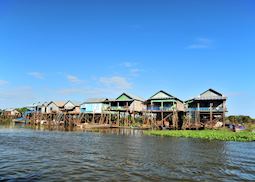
120	155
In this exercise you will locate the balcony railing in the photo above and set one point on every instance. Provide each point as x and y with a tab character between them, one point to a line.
220	109
158	108
119	108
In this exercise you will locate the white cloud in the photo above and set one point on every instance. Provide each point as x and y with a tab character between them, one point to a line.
86	92
116	82
128	64
101	87
36	74
132	68
16	96
3	82
201	43
73	79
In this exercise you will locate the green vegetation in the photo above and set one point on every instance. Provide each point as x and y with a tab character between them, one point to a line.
224	135
6	121
240	119
22	110
246	121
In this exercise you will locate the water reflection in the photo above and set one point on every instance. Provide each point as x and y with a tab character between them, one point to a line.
47	154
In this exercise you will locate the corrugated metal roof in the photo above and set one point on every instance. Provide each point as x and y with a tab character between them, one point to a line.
212	90
10	110
132	96
58	103
135	97
200	97
169	96
96	100
75	103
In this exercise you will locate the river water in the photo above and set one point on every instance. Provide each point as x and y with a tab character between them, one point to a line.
120	155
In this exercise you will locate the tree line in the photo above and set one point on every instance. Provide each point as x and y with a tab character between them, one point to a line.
241	119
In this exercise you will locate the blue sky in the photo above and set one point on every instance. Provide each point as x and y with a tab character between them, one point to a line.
77	49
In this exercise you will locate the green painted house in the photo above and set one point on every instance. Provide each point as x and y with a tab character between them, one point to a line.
163	101
128	102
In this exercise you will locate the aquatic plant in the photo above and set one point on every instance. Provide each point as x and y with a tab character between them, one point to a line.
224	135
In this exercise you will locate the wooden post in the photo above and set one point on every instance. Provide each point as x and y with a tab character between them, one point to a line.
189	117
118	119
110	118
211	115
223	114
162	118
93	118
125	120
198	115
133	119
34	118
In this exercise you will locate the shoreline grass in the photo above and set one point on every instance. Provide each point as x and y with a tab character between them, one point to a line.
223	135
5	121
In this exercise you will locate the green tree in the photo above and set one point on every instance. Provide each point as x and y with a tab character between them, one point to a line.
22	110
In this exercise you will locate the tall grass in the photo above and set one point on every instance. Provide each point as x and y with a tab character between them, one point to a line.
6	121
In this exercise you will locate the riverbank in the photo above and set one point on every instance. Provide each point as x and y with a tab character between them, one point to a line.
223	135
6	121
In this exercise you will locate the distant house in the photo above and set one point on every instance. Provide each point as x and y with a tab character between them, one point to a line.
72	107
55	107
128	102
32	107
96	106
166	108
163	101
209	105
42	107
11	112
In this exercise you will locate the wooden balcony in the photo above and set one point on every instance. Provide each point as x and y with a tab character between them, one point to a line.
158	108
207	109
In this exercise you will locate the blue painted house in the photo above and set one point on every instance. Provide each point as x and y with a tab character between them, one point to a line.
96	106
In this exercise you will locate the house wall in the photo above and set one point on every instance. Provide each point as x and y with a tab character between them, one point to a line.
69	105
52	107
206	103
42	109
11	113
93	107
137	106
180	106
76	110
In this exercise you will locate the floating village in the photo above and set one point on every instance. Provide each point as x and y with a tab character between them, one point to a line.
162	110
